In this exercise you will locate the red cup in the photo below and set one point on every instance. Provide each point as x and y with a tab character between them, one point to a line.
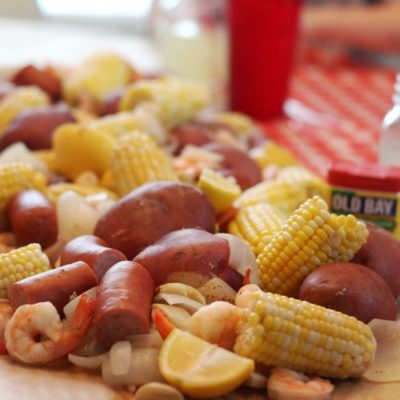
263	35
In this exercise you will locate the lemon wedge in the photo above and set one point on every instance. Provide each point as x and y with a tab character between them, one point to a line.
221	191
201	369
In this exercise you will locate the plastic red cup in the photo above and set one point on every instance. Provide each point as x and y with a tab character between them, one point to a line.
263	35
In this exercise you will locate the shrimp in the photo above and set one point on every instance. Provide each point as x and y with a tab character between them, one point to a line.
6	312
245	294
35	334
285	384
216	323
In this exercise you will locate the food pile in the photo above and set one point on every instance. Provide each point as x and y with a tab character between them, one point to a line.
175	250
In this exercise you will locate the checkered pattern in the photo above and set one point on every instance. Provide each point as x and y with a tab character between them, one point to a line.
334	113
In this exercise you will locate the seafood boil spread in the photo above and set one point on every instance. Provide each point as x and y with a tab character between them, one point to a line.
166	250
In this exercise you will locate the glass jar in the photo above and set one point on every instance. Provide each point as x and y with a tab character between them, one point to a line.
193	42
389	146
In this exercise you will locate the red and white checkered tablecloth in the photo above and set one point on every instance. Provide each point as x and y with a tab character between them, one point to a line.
334	113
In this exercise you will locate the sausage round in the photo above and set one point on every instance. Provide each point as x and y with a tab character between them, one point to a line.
93	251
56	285
123	303
33	219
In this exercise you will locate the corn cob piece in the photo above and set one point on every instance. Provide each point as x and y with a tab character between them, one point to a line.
282	195
19	100
14	178
54	192
96	77
176	100
257	224
241	124
290	333
310	237
221	191
136	159
314	185
20	263
269	153
79	148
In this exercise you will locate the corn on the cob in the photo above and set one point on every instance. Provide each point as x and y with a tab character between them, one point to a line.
257	224
136	159
221	191
310	237
313	184
241	124
286	332
282	195
269	153
14	178
96	77
176	100
19	100
20	263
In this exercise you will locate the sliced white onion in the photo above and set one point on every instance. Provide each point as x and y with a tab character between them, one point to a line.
92	362
120	357
217	289
151	339
189	278
177	300
143	369
70	308
177	315
183	290
241	257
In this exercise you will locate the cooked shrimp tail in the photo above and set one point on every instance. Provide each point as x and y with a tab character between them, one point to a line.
245	294
35	334
162	323
285	384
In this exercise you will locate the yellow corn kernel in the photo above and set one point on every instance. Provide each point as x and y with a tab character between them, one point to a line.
309	238
136	159
20	263
241	124
257	224
176	100
14	178
282	195
79	148
286	332
19	100
221	191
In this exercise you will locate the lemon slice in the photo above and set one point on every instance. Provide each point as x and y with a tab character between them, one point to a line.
221	191
201	369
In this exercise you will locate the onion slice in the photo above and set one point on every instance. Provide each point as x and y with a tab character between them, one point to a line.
70	308
120	357
241	257
151	339
177	300
216	289
87	362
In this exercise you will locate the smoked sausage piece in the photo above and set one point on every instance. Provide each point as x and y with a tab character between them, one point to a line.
56	285
93	251
123	303
33	219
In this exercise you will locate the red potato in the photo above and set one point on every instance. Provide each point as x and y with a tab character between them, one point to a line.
45	78
237	163
189	250
55	285
381	253
93	251
35	127
352	289
146	214
33	218
123	303
190	133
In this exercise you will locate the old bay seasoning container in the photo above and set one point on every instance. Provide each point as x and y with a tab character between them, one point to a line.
369	191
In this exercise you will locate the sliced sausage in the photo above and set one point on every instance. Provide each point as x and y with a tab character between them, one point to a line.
93	251
123	303
56	285
33	219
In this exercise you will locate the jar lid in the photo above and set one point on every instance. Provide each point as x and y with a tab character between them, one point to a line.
364	176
